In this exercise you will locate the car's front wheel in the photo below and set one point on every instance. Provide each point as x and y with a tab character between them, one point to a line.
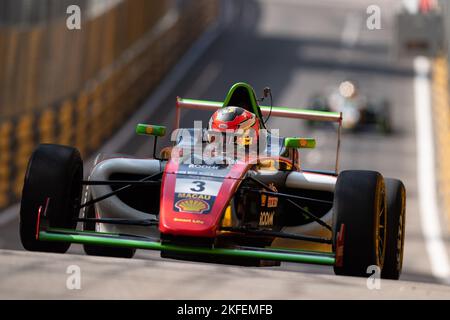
54	172
395	234
359	222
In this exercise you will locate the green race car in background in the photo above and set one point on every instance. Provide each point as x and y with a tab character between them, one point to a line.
359	112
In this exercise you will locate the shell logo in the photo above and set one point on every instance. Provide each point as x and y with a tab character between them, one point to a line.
192	205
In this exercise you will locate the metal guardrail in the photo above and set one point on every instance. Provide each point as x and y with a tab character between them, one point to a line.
45	63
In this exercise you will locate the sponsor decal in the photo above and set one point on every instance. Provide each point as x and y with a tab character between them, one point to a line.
203	166
193	196
272	202
192	205
198	186
196	221
181	220
203	169
263	200
266	218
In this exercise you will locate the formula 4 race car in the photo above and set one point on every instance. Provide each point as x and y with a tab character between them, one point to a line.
246	211
359	112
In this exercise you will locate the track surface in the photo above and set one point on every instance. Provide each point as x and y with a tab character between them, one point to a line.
43	276
298	48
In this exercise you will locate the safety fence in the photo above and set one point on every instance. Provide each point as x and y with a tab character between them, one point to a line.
441	119
441	114
75	87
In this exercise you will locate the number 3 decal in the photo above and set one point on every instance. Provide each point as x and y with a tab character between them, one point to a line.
200	186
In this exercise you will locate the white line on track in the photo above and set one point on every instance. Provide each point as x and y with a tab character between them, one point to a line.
426	176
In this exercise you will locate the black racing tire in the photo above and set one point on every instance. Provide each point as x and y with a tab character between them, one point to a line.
53	172
359	207
103	251
395	234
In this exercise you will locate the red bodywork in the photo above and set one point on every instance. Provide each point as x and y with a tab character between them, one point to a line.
194	224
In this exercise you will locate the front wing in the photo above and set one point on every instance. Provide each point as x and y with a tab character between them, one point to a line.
45	233
139	242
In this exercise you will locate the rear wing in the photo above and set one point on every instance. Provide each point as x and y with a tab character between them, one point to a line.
305	114
283	112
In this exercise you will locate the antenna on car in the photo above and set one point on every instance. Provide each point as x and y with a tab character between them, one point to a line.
267	93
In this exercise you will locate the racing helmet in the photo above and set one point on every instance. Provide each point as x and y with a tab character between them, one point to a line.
236	125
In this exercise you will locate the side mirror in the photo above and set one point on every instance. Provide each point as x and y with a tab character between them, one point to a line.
301	143
151	130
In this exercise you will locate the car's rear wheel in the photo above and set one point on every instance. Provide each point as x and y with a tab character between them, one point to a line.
359	222
53	172
103	251
395	233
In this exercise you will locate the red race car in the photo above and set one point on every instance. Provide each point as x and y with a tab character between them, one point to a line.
254	205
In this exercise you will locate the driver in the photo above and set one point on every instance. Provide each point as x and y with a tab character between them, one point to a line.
237	126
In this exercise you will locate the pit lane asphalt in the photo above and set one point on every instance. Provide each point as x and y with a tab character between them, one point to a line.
298	48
